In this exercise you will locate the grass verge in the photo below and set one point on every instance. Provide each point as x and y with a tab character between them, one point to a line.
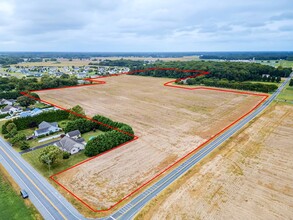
12	206
286	94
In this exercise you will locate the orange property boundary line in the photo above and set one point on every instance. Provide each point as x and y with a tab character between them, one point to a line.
94	82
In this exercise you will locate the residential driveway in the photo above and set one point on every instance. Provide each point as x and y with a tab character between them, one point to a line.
38	147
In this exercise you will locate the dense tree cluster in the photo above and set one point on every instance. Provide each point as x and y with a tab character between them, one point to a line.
81	124
31	122
8	60
291	82
10	87
259	87
25	101
9	95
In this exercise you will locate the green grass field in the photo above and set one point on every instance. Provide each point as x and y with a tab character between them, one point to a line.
33	159
276	63
12	206
286	94
285	63
267	83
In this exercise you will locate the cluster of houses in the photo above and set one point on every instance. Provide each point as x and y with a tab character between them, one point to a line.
72	142
11	109
80	72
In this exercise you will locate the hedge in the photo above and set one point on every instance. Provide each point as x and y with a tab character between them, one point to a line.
108	140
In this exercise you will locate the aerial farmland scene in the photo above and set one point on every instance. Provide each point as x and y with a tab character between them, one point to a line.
146	110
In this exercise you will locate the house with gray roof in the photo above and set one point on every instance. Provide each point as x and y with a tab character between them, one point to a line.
7	102
10	110
71	145
47	128
74	134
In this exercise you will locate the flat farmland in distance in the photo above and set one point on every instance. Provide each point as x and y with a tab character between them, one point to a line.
169	122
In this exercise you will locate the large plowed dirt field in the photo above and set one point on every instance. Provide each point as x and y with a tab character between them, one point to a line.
250	177
169	122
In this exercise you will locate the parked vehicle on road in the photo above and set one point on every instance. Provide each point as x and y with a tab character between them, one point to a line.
23	194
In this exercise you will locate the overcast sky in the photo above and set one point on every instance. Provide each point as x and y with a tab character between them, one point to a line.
146	25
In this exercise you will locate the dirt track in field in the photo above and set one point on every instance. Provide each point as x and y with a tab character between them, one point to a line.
251	177
169	122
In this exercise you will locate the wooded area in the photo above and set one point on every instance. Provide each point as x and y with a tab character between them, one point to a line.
11	87
222	74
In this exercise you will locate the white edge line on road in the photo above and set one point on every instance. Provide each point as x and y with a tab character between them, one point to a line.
57	197
25	185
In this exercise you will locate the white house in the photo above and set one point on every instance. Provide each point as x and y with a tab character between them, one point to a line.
10	110
47	128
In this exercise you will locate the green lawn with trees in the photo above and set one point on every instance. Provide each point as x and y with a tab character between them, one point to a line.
58	165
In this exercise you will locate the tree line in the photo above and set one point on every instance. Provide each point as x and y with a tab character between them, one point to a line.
10	87
259	87
247	55
220	70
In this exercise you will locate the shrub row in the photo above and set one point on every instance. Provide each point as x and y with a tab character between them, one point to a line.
108	140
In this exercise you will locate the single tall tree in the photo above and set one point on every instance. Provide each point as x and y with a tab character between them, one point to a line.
50	155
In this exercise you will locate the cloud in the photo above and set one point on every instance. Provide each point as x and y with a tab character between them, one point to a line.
145	25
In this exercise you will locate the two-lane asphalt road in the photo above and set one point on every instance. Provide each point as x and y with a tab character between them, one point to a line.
129	210
45	197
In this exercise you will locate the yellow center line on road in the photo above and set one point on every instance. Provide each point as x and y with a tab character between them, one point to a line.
33	183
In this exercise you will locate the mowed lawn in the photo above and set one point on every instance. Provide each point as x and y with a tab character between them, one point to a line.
33	158
12	206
